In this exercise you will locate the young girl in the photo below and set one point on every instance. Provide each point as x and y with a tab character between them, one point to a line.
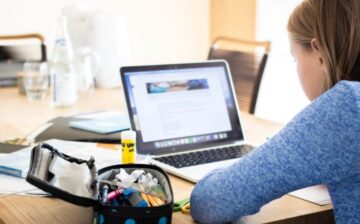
321	145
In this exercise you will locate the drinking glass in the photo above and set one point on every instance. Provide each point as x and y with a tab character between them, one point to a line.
87	63
36	80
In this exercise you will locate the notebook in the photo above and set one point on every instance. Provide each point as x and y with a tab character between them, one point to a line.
105	125
59	128
186	116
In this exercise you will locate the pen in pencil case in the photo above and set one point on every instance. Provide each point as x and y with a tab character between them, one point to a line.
134	198
104	194
138	188
114	194
154	201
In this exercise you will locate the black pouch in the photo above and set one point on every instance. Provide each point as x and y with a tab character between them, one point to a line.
77	181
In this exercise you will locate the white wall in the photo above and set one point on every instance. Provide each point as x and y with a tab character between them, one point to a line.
281	96
159	30
171	31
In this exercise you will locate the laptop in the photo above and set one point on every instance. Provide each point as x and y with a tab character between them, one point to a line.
185	115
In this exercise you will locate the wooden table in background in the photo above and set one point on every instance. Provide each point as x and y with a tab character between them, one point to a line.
18	117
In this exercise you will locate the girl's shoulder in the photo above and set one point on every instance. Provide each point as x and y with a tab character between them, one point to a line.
341	103
345	92
349	85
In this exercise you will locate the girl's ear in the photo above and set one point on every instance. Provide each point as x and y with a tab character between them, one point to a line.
315	47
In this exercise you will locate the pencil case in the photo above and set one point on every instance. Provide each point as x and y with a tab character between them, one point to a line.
79	182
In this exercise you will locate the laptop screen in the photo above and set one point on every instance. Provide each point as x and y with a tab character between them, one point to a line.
181	107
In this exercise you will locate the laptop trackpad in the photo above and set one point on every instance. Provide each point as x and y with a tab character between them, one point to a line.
197	172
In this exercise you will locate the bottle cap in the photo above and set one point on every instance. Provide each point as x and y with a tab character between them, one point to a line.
128	134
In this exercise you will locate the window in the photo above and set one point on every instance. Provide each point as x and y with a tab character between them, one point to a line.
281	96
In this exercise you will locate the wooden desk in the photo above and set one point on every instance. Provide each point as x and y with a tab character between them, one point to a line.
19	117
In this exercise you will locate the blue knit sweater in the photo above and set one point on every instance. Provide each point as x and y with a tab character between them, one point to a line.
321	145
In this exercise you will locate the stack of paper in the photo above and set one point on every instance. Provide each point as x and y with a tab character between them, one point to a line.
17	163
11	185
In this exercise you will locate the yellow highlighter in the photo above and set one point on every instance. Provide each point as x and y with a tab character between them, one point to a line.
128	142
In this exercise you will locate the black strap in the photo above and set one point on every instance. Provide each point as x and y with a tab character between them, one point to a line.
89	163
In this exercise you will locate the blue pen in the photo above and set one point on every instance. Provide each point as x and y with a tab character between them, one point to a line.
134	198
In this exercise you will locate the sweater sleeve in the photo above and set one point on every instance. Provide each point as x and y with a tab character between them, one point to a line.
321	145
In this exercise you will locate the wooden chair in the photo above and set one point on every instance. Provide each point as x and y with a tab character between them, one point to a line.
15	50
247	60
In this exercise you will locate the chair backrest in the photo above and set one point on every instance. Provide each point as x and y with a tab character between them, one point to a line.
15	50
247	60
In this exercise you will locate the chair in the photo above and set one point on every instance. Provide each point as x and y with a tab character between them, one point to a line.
247	60
15	50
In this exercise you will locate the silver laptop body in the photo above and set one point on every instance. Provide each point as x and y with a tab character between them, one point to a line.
186	116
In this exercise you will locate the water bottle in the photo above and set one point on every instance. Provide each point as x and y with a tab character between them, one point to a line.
62	70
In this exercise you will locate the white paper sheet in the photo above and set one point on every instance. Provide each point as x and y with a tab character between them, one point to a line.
10	185
316	194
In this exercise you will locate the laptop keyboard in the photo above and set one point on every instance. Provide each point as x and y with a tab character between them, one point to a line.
207	156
